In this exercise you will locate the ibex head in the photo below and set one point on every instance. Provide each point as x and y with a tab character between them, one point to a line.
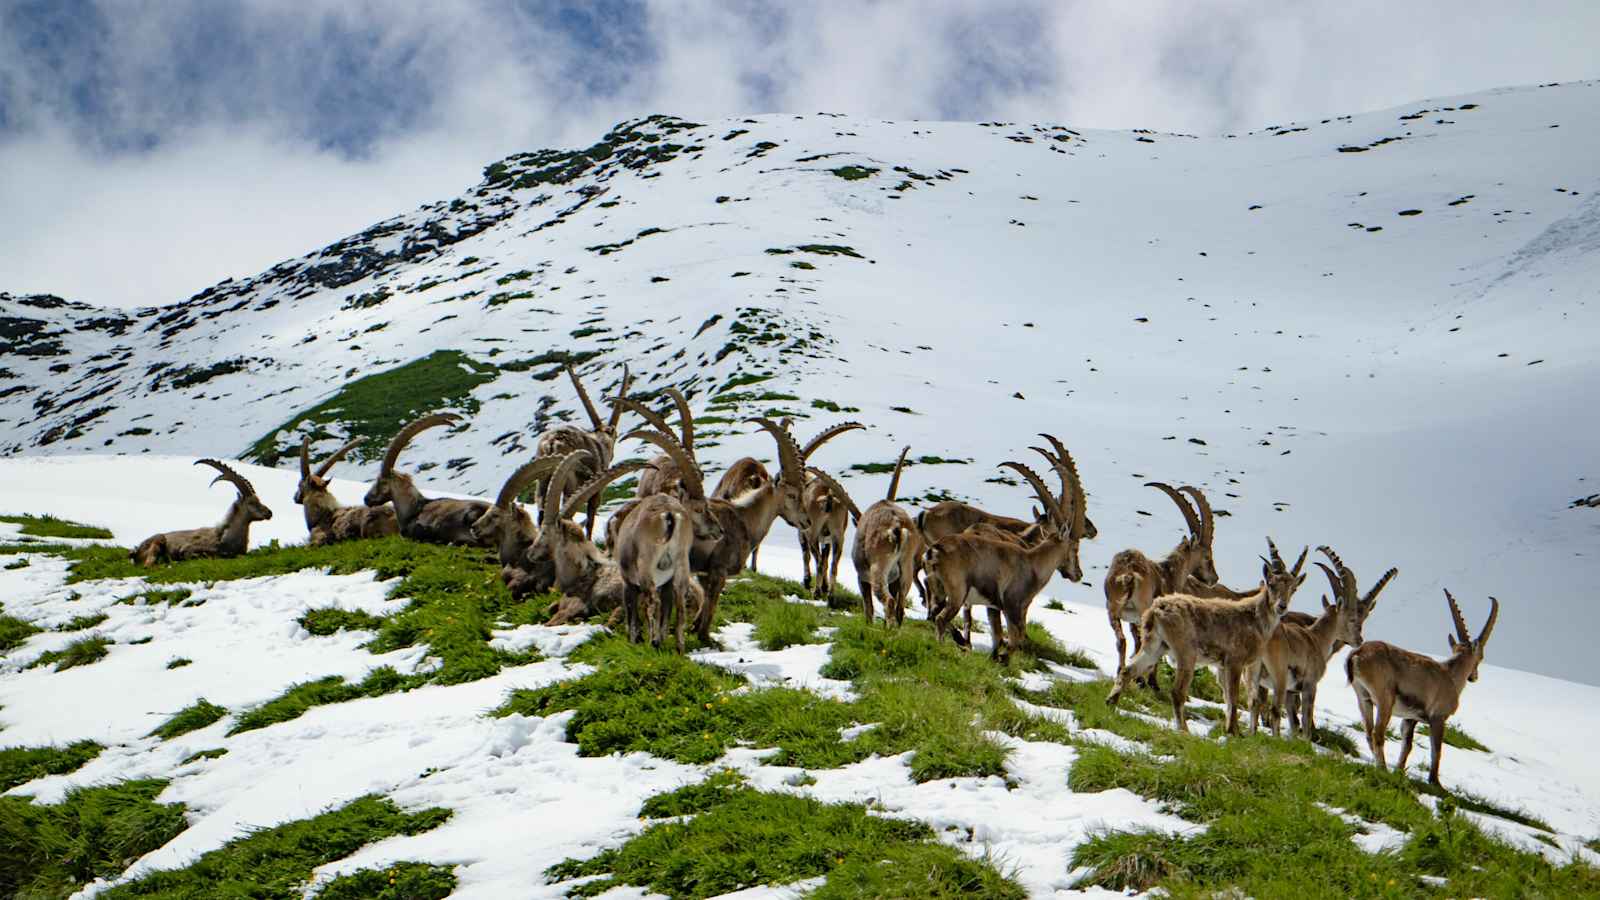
316	482
1279	580
606	428
1462	643
389	481
1063	515
706	526
247	504
505	513
1352	609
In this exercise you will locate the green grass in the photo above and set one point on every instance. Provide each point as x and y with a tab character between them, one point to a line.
398	881
50	526
18	564
275	862
830	406
1043	645
293	702
179	662
191	718
19	765
14	631
378	406
152	597
213	753
740	837
80	623
853	173
81	652
781	623
330	620
52	851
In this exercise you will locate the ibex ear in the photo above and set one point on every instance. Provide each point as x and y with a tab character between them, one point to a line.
1452	639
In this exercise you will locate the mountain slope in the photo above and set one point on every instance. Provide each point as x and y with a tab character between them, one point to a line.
1370	331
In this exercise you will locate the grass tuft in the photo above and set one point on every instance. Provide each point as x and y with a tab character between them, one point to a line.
81	623
14	632
19	765
297	699
397	881
191	718
52	851
322	622
50	526
781	624
81	652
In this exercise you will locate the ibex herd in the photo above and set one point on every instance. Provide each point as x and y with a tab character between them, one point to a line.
670	551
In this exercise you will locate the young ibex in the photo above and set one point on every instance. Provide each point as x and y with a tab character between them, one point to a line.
653	557
1297	654
1006	575
1135	580
326	520
421	519
229	539
508	527
885	552
1391	681
1229	634
600	441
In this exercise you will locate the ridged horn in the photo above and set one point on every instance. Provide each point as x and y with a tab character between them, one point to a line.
894	480
238	481
411	431
791	468
651	417
305	458
339	454
693	485
616	409
1045	497
1347	586
1462	634
583	397
1208	525
838	491
1488	627
1183	506
1277	559
525	474
827	435
1371	599
1080	506
598	484
567	465
685	419
1335	581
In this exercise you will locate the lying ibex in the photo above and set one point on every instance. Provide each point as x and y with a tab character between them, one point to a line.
653	557
508	527
326	520
1135	580
600	441
421	519
1391	681
885	553
1229	634
229	539
1296	655
588	580
1004	575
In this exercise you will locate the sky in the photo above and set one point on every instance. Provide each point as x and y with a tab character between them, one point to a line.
151	148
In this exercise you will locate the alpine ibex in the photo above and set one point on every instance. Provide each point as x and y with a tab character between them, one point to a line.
1389	681
949	517
1003	575
326	520
508	527
666	478
1229	634
1134	580
817	514
587	579
885	552
231	538
653	557
600	441
443	521
746	474
1297	654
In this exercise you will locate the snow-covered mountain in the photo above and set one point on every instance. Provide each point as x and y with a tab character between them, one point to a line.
1371	331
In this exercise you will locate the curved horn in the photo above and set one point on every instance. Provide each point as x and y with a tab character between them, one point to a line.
1045	497
1203	506
894	481
330	462
526	473
305	458
1347	579
838	491
1371	599
616	408
651	417
1494	613
552	491
598	483
1300	564
1183	505
687	470
825	436
1462	633
791	467
1080	506
1335	581
1277	560
583	396
234	478
410	431
1060	470
685	419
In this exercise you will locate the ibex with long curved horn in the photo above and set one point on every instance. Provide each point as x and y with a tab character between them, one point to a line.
1389	681
1005	575
588	580
1134	580
1229	634
509	528
443	521
667	477
231	538
600	441
326	520
818	513
1297	655
885	552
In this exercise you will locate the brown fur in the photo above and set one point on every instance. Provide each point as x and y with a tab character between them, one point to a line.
653	558
886	552
746	474
327	521
228	539
600	440
443	521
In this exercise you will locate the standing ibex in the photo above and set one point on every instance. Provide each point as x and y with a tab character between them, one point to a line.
818	513
588	580
1134	580
653	557
746	474
885	552
508	527
1229	634
421	519
326	520
229	539
1006	575
1297	654
600	441
1391	681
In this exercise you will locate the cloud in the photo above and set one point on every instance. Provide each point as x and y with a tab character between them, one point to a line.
148	150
